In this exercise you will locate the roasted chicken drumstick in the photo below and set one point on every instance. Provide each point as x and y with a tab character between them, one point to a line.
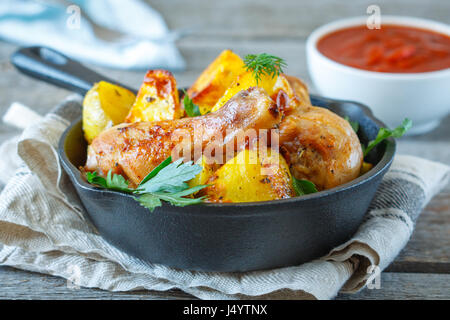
318	145
134	149
321	147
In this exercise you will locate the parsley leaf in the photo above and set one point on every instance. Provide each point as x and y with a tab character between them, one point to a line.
303	187
155	171
385	133
112	181
153	199
149	201
94	178
166	182
171	178
117	182
354	124
192	110
262	64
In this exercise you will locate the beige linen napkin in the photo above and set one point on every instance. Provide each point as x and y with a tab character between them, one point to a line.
42	228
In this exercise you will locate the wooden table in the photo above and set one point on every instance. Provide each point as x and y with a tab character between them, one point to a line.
421	271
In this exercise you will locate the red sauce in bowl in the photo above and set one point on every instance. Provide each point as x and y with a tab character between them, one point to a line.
393	48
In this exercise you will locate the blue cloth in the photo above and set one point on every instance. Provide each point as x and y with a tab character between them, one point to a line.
145	41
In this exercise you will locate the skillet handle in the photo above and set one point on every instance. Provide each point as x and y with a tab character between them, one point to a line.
53	67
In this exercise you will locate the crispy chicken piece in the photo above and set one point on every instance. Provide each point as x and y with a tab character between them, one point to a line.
133	150
321	147
318	145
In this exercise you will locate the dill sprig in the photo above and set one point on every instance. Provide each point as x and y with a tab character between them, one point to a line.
264	63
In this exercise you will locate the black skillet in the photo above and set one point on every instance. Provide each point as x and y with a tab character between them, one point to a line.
215	237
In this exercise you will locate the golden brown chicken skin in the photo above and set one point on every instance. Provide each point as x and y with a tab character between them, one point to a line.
321	147
133	150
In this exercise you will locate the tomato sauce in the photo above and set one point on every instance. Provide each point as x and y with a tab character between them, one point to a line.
393	48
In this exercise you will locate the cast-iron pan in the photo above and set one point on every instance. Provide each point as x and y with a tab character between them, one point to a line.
216	237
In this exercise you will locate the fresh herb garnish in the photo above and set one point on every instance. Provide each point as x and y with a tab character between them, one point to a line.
157	169
303	187
192	110
94	178
385	133
264	63
166	182
354	124
112	181
170	178
153	199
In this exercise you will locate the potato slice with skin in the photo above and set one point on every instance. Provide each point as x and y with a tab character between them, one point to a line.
215	80
104	106
157	99
251	176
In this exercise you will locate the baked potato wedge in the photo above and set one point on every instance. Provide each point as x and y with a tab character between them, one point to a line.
157	99
251	176
104	106
207	172
215	80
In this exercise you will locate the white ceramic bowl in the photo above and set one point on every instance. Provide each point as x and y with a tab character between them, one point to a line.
422	97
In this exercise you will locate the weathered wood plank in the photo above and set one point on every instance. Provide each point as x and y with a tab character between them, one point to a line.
429	248
406	286
17	284
282	18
